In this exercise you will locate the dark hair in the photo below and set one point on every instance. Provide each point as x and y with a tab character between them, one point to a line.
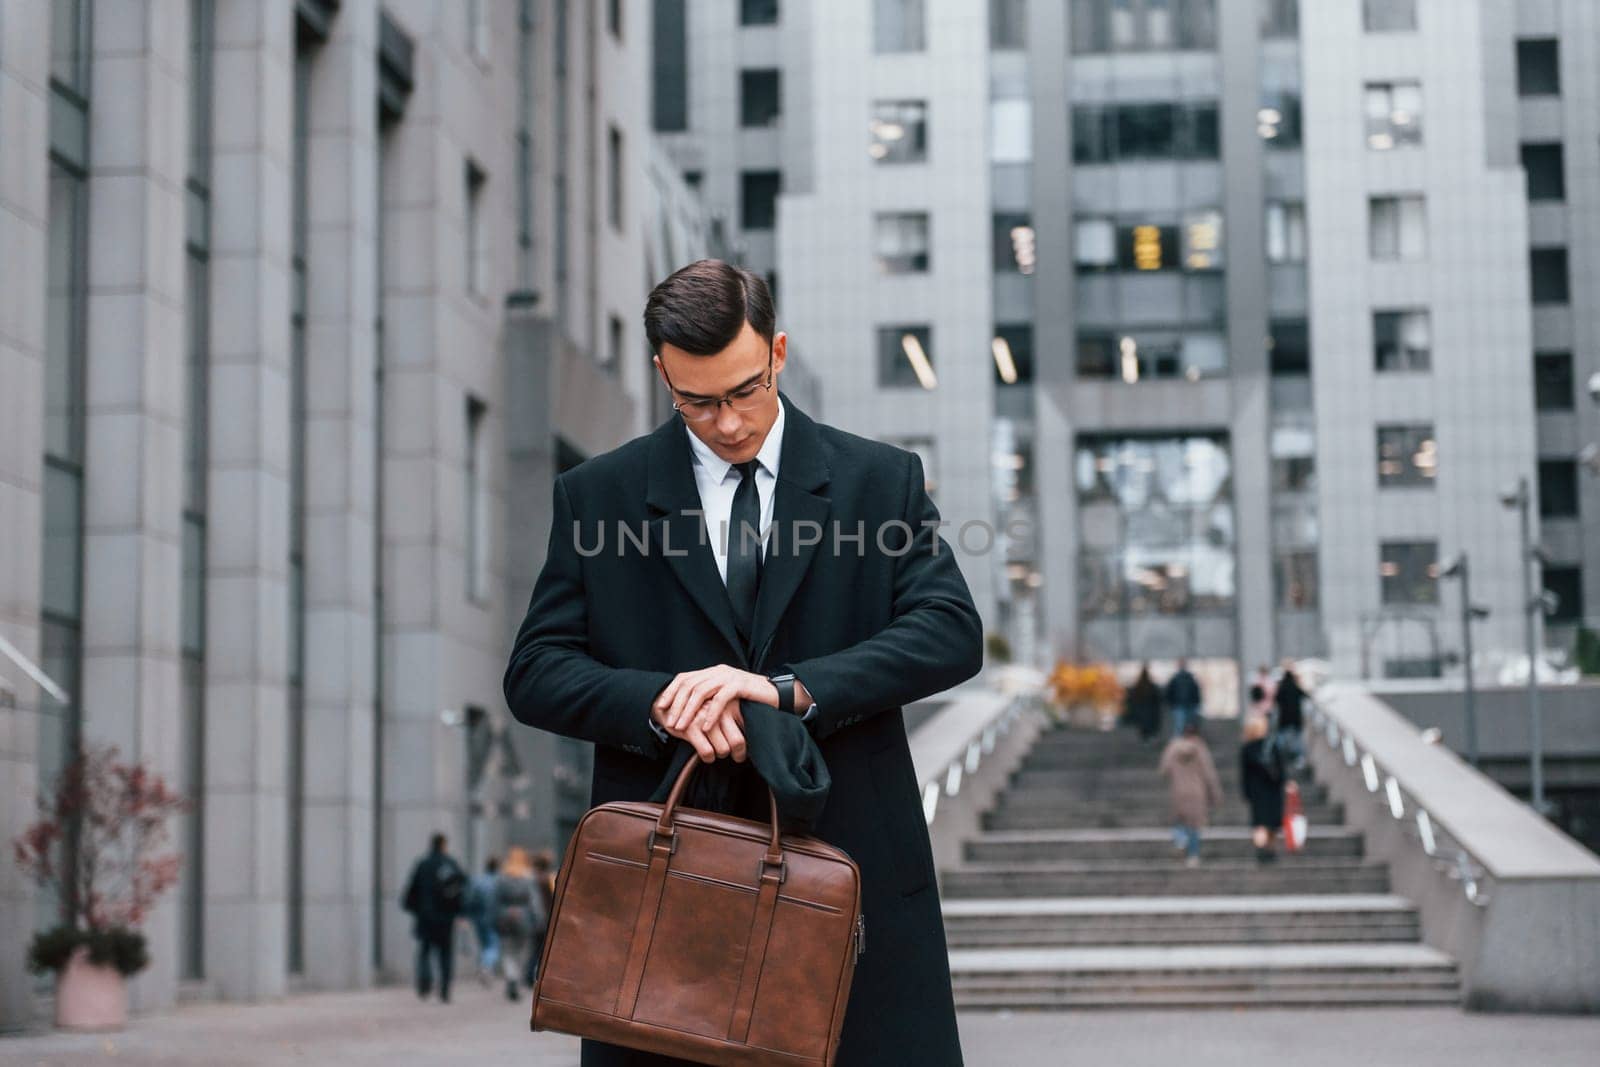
1256	692
701	308
491	865
436	842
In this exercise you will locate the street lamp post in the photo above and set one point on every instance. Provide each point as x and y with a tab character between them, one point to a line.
1532	605
1459	569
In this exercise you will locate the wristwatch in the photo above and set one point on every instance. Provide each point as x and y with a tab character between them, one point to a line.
785	684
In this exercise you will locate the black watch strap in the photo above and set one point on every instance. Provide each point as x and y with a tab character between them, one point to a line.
785	685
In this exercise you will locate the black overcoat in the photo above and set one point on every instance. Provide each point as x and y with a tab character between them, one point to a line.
870	615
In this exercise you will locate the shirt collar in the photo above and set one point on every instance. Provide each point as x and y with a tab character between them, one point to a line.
718	467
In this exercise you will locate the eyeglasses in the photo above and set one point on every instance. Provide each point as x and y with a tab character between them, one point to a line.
748	398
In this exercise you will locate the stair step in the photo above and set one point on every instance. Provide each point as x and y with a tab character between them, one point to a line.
1163	879
1234	846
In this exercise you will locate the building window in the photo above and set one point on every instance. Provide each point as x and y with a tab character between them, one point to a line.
1538	67
1397	227
1389	16
1295	574
1558	489
1280	18
477	266
1408	457
1566	582
758	199
1143	25
614	18
478	28
760	101
758	12
1402	340
1286	231
1394	114
1149	243
1144	354
615	175
899	131
1548	270
1136	560
1290	345
1010	130
1543	164
1161	130
905	357
900	242
1409	572
1013	243
477	502
1012	348
1008	25
1278	119
899	26
669	58
1552	381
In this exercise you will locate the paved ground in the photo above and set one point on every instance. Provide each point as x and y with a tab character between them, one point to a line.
390	1028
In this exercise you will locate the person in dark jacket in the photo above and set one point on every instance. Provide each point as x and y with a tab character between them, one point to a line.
435	895
1183	697
1261	776
1144	704
844	607
1290	701
544	880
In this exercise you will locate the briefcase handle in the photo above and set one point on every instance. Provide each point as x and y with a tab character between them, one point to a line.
664	828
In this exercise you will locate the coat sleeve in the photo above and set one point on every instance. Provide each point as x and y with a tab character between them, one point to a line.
1213	782
933	642
552	682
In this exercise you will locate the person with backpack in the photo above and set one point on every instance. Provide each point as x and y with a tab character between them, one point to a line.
435	895
519	913
1261	776
480	912
1290	701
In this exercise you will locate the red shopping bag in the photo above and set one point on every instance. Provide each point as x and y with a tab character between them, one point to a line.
1294	818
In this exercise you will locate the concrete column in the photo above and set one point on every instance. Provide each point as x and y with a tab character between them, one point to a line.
1247	330
133	495
247	600
339	611
24	228
424	760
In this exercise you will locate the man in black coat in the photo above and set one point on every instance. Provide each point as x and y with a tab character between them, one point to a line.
434	896
856	608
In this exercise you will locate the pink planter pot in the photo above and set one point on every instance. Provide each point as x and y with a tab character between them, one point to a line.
89	996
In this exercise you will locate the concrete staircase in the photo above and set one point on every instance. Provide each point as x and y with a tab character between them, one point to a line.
1072	896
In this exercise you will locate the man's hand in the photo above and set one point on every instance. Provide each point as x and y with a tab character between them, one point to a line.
706	702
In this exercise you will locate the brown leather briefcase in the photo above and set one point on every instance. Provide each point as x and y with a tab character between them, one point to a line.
701	935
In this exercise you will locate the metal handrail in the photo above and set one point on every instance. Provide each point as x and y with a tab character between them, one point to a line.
1449	858
980	744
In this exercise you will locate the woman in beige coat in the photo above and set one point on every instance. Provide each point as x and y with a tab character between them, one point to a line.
1192	787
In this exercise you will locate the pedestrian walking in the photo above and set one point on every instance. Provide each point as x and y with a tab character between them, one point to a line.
1290	701
1193	788
434	897
1261	776
544	880
480	913
715	601
519	909
1144	704
1183	698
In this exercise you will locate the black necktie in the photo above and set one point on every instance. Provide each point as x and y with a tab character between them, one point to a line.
744	549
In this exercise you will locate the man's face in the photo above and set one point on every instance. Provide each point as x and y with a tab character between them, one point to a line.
735	436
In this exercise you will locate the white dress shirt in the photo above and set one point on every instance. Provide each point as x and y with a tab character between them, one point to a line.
718	480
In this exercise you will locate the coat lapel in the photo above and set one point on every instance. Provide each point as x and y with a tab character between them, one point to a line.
678	529
799	507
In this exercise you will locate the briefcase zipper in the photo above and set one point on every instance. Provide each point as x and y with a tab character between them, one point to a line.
861	936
